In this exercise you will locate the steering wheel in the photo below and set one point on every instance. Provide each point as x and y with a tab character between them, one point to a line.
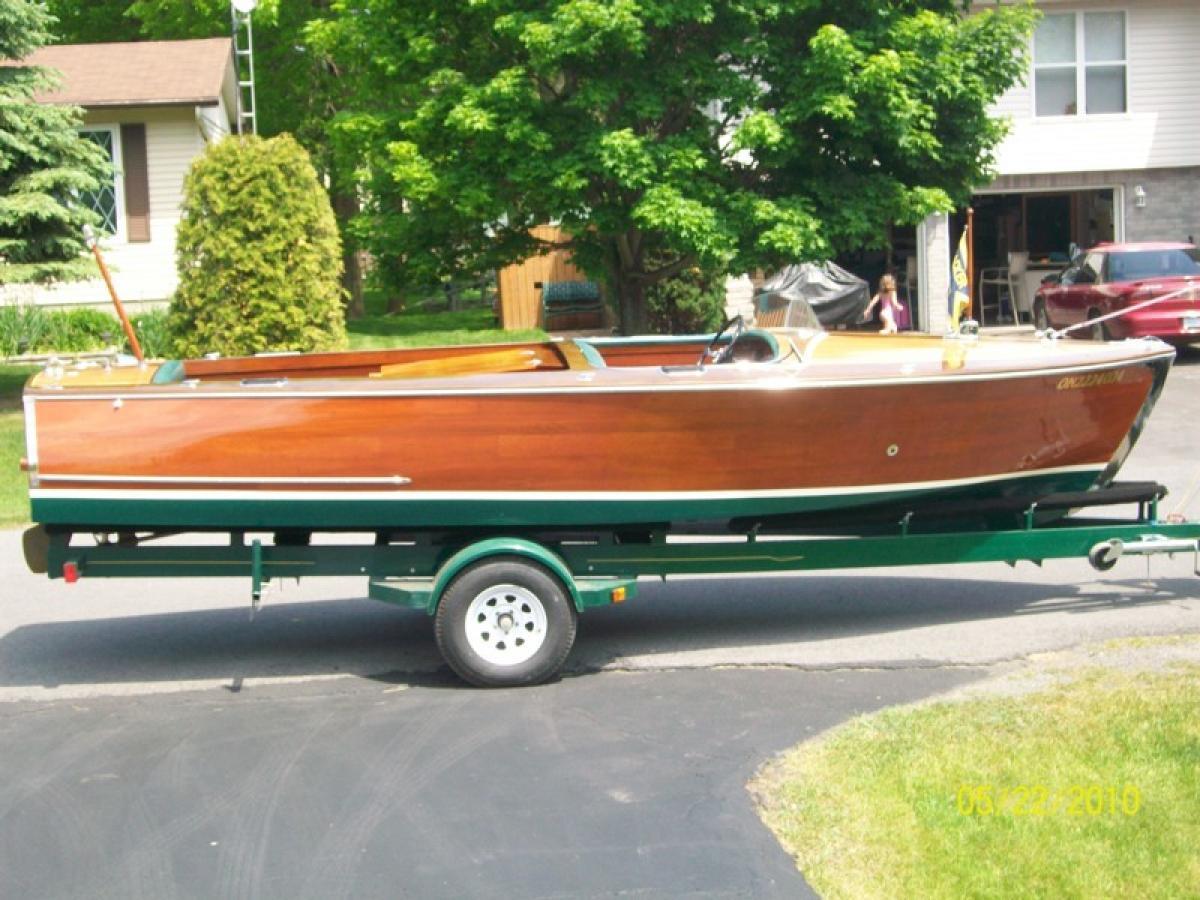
716	354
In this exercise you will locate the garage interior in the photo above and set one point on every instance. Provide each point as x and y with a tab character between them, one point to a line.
1021	238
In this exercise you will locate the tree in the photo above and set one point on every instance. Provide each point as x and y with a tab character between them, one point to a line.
93	21
664	134
258	253
45	165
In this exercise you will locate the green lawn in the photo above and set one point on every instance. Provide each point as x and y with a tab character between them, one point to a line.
14	484
1089	789
415	329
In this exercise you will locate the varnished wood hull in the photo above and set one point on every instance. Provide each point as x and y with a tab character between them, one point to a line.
585	446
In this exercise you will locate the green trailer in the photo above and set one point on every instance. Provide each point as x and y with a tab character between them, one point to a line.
506	605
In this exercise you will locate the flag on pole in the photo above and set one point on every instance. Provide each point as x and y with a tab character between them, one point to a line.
960	290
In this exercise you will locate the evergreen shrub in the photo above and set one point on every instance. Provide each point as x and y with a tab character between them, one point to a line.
691	302
258	253
46	166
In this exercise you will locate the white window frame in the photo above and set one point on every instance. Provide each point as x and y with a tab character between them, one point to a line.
1080	65
118	176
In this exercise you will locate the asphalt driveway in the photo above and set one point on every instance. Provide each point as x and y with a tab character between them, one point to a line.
621	784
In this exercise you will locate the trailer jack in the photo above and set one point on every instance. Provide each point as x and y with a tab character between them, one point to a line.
1104	555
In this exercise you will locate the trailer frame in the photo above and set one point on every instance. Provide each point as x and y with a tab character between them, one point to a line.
557	575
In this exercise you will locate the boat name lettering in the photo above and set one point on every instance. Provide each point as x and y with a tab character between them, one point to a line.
1092	379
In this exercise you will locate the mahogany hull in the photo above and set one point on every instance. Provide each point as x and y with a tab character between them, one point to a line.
601	446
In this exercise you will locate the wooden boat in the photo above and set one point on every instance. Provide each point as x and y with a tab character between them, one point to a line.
583	433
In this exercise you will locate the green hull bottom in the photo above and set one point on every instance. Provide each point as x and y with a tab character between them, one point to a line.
83	513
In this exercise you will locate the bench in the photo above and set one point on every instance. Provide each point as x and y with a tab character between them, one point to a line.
570	305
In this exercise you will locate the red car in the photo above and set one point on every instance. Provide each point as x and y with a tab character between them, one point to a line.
1113	277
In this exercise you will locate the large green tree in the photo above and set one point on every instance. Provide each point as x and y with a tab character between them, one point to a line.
664	134
45	166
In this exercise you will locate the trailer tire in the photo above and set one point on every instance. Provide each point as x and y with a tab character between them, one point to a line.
505	622
1104	555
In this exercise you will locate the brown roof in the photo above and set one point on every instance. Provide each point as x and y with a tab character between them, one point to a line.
142	73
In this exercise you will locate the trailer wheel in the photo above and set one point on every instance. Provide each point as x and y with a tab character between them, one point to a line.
1104	555
504	623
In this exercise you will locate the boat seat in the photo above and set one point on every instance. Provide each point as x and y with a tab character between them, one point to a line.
755	345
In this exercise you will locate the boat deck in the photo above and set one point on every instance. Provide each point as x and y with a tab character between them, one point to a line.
758	354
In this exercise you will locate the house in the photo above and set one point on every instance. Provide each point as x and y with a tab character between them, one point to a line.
153	106
1104	145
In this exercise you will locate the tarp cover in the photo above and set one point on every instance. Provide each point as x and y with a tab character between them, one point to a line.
836	296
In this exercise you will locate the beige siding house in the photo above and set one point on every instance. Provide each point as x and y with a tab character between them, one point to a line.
153	106
1104	145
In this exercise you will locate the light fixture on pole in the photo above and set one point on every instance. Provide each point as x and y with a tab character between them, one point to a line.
243	63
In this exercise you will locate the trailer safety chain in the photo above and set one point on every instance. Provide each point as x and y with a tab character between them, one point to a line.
1178	514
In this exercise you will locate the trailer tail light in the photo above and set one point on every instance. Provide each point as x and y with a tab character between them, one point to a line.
618	595
24	464
70	572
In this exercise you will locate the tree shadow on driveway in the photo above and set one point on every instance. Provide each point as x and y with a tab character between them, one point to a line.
812	621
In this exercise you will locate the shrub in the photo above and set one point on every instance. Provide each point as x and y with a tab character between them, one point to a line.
153	334
21	328
78	330
691	302
28	328
258	253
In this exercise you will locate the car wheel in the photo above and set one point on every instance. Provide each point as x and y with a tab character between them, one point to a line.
1098	331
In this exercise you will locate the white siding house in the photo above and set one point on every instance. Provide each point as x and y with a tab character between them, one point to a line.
1104	144
153	105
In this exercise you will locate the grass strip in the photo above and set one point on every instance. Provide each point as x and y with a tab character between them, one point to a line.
14	484
1087	789
414	329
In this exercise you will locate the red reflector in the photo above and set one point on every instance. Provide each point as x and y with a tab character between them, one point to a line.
70	572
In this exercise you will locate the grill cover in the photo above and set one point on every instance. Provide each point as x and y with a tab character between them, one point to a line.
802	295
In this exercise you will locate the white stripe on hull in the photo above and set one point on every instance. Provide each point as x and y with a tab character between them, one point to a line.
50	493
394	480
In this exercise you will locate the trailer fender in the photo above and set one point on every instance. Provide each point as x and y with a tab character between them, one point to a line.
491	547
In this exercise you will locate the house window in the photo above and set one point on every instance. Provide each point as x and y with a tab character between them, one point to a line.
104	199
1079	64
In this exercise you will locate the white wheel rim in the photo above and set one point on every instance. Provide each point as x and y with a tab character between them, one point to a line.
506	624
